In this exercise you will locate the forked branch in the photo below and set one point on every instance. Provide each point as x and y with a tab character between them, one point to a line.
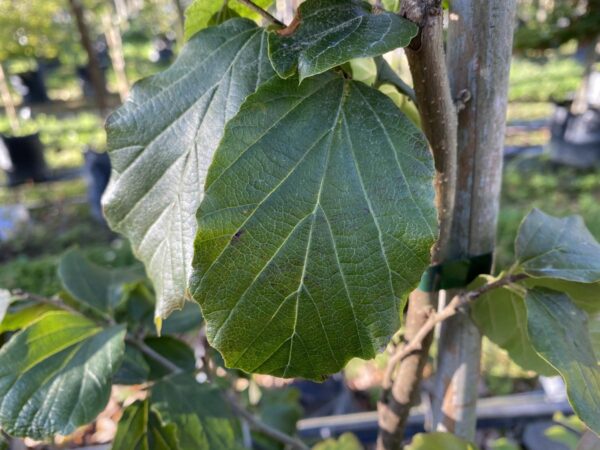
458	303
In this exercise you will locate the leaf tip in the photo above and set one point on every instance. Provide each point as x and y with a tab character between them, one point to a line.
158	324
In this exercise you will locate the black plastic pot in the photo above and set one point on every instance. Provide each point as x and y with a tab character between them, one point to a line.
575	139
97	173
31	86
26	157
85	81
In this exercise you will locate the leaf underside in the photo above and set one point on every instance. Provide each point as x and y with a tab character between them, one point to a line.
558	248
56	375
161	143
317	221
559	333
328	33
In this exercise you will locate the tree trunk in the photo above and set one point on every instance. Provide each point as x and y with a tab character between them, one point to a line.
438	116
94	69
479	52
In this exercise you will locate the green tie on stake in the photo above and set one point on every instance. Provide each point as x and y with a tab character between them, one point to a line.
456	273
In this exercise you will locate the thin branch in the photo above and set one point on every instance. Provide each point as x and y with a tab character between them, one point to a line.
144	348
264	428
265	14
431	84
22	295
252	421
459	302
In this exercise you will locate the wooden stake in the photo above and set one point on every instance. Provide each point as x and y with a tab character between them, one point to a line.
115	49
9	104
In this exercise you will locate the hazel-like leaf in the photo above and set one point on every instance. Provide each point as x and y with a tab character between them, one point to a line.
317	222
161	143
328	33
559	333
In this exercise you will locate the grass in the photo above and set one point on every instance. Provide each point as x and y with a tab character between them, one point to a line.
554	77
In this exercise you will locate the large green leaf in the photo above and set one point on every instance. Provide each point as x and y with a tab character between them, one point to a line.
162	141
328	33
439	441
317	222
502	317
56	375
554	247
559	333
203	13
140	428
202	417
93	286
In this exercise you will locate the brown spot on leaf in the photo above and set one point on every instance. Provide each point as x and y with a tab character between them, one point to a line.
236	237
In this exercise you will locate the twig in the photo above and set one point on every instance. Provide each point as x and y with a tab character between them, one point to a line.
22	295
144	348
265	15
252	421
264	428
457	303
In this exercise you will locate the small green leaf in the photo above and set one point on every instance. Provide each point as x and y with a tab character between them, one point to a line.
503	444
140	428
439	441
56	375
558	332
346	441
552	247
391	5
328	33
162	141
318	212
93	286
502	317
203	13
562	435
202	417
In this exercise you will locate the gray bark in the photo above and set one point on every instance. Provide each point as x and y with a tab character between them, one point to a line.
479	52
